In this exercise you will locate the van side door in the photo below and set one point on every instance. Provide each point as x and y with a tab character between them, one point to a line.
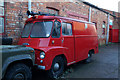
68	41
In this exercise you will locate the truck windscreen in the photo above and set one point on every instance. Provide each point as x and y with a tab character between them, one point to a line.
26	30
38	29
41	29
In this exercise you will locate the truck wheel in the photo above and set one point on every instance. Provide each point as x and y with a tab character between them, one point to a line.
18	72
57	67
88	60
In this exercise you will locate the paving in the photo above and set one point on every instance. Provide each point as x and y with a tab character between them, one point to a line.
103	65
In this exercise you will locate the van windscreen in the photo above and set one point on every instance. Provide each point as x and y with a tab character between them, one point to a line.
26	30
41	29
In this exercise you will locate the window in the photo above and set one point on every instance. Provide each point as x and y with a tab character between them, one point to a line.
66	29
56	29
1	10
52	10
1	2
2	16
103	31
26	30
38	29
103	27
41	29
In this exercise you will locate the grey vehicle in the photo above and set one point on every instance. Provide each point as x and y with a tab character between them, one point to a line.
16	62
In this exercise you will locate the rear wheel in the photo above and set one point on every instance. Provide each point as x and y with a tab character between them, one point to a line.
88	60
57	67
18	72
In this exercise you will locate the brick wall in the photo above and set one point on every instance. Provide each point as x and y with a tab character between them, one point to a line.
16	16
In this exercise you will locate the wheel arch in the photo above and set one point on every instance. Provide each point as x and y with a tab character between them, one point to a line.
27	62
64	57
92	51
63	64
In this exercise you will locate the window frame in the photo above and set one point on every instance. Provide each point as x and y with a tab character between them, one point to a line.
103	28
32	29
3	16
66	25
24	28
54	28
40	37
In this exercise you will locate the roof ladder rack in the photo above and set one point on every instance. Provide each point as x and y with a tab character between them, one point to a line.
39	13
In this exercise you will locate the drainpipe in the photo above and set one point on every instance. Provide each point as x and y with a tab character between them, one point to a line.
107	37
89	15
29	7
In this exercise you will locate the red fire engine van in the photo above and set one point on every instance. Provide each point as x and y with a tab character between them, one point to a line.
59	41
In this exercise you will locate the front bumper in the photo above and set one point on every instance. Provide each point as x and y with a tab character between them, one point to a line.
40	67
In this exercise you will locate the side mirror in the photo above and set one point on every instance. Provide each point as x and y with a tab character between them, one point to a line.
57	23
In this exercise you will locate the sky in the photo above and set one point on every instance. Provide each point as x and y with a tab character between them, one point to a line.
106	4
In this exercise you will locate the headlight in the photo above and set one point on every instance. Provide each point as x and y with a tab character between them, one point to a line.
42	55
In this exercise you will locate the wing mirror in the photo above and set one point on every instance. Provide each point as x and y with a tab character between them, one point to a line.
57	24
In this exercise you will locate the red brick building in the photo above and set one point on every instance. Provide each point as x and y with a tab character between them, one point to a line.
115	29
13	16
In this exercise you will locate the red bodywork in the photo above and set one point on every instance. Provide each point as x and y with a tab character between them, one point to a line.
75	47
115	35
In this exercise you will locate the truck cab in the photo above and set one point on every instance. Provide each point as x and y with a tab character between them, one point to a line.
59	41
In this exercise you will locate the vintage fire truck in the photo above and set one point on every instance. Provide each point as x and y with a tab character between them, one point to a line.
59	41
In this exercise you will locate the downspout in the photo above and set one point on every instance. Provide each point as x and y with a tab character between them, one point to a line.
29	7
107	37
89	15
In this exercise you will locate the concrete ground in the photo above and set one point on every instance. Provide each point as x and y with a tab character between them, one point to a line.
103	65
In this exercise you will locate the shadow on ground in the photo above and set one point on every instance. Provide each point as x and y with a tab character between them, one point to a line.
42	75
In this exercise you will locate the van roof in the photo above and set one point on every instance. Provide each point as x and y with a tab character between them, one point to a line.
57	17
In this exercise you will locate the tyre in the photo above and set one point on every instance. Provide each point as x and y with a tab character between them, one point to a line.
18	72
57	67
88	60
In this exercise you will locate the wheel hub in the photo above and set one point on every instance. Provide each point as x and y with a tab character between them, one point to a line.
56	67
88	55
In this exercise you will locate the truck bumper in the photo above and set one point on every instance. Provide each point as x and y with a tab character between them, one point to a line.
40	67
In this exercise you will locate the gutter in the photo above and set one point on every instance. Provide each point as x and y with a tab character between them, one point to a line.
87	3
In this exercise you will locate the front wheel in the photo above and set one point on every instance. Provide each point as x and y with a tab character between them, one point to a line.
57	67
18	72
